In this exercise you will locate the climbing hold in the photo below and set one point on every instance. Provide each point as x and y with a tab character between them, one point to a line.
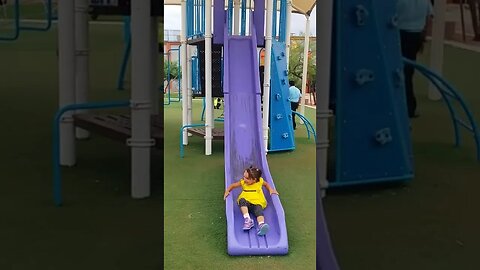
285	135
363	76
279	116
285	72
383	136
362	14
278	96
394	21
284	82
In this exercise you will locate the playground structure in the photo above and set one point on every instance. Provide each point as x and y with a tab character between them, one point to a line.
143	127
228	67
279	135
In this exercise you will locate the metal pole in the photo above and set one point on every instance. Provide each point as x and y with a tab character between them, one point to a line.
81	58
462	18
66	74
266	77
189	86
183	55
305	64
208	77
438	36
155	95
325	19
287	34
141	141
236	17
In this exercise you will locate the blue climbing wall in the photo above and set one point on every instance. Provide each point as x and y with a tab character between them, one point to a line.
372	135
281	127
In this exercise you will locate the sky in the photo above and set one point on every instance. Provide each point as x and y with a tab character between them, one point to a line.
172	20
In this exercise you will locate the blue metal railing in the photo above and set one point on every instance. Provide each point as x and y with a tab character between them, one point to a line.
308	125
16	22
57	180
195	18
244	18
179	76
282	28
196	89
279	26
49	18
274	20
126	53
448	92
181	136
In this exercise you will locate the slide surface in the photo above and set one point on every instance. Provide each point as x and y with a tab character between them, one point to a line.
244	147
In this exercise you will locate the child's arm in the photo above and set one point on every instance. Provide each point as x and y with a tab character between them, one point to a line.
232	186
269	188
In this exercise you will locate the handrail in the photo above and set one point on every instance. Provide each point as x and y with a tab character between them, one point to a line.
438	81
179	75
16	33
57	181
181	136
308	125
49	20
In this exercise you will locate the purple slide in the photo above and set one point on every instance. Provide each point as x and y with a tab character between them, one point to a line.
243	147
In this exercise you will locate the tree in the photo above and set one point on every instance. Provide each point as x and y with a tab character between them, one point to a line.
295	66
174	70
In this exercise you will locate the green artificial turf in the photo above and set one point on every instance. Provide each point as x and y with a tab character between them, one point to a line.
100	226
195	225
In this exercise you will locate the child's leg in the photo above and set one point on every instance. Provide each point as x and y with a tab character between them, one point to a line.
244	207
248	223
260	219
258	211
262	226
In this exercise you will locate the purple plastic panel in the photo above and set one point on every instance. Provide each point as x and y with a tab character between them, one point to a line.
219	17
259	21
243	147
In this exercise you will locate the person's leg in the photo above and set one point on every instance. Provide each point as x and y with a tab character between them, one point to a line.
477	32
294	106
473	12
248	222
410	47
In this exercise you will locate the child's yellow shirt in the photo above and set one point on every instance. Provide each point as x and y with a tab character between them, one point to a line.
253	193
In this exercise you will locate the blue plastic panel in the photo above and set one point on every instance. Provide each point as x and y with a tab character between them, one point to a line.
281	127
372	126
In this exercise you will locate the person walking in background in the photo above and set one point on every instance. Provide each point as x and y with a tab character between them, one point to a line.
294	98
414	17
475	17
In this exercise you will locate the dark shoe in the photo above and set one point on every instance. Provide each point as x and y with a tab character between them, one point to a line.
263	229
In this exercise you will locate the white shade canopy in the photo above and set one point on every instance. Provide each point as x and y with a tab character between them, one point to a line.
299	6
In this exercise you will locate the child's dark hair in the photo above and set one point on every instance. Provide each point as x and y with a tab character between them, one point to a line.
292	83
254	173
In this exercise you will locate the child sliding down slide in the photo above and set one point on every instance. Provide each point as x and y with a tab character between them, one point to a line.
252	198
